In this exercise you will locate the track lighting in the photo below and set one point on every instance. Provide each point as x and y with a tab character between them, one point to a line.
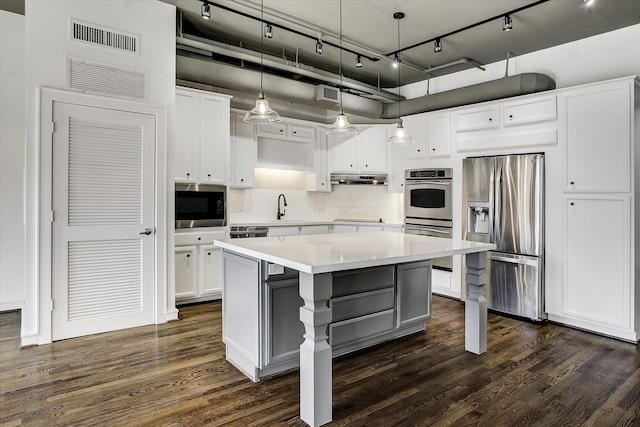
587	2
507	23
359	61
319	44
396	61
205	11
437	46
268	31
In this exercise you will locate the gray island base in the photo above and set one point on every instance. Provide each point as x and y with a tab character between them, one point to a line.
300	300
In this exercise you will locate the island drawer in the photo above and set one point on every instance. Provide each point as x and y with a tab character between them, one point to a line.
350	306
205	238
361	328
366	279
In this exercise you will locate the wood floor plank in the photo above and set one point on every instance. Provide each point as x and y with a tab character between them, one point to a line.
176	375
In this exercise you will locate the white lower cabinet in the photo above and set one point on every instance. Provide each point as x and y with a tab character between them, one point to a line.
596	292
198	267
186	272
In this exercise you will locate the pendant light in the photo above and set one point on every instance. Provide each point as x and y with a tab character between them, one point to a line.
262	113
341	126
399	136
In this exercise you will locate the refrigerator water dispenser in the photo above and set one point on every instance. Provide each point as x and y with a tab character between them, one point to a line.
478	218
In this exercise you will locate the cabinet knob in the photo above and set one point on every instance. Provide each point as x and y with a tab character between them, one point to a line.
572	183
208	175
510	116
322	183
208	253
433	149
418	150
490	119
294	132
282	130
188	174
199	238
241	179
188	255
572	203
366	166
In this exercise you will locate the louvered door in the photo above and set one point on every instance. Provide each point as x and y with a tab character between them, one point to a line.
103	201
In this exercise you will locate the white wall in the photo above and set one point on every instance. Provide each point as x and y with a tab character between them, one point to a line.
47	45
603	57
12	138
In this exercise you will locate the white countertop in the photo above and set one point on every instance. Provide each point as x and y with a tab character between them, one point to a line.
323	253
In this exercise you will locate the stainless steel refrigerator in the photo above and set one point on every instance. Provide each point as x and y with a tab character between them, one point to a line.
504	204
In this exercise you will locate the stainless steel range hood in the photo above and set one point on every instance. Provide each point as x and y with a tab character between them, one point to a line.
349	178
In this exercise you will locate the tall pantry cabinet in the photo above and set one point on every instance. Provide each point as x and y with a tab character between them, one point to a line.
599	288
200	157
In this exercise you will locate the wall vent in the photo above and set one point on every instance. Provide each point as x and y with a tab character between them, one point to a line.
105	79
102	36
326	93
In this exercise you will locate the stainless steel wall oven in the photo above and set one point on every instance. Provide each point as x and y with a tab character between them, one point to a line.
427	206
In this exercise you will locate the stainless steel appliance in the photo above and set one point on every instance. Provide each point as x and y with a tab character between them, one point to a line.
244	231
200	205
503	200
427	206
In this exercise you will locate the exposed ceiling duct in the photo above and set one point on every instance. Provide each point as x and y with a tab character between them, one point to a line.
198	68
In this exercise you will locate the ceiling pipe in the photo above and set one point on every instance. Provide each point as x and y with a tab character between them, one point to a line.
197	68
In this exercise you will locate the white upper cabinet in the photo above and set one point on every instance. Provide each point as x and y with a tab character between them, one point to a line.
201	137
365	152
243	153
478	118
184	158
529	110
288	131
598	131
416	126
438	135
214	139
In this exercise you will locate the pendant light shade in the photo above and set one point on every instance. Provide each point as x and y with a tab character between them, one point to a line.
262	113
341	126
399	136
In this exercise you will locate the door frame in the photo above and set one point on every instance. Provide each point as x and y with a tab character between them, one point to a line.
41	298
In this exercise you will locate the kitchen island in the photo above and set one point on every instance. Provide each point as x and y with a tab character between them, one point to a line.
320	261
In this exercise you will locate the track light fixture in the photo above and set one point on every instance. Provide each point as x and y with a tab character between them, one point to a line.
319	44
399	136
396	61
587	2
359	61
268	31
507	23
437	46
205	11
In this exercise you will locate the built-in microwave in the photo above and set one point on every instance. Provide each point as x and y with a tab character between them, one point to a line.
200	205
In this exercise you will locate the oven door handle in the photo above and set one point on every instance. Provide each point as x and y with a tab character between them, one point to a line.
433	230
412	182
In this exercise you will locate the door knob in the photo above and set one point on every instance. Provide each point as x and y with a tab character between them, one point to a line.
146	231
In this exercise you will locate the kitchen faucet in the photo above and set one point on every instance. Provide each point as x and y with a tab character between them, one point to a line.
280	215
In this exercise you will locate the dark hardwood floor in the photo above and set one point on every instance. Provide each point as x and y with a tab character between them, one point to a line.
176	375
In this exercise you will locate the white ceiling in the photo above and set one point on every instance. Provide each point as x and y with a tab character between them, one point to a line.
369	28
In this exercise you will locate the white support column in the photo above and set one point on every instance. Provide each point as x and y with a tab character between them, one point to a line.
475	306
315	351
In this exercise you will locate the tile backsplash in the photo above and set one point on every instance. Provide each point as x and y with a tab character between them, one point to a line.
344	201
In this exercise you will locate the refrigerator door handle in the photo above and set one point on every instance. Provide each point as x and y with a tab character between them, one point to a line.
496	204
515	259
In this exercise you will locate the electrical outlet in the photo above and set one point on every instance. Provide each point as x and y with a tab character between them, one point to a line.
273	269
